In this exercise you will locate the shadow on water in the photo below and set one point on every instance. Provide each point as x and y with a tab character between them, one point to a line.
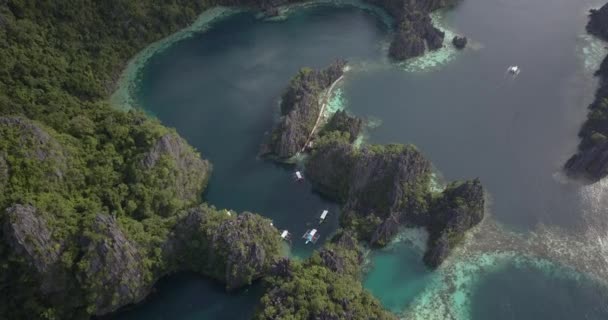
188	296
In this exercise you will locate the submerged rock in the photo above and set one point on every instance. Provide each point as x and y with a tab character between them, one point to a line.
301	106
459	42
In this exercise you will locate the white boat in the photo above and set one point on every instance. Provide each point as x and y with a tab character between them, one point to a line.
514	70
323	216
311	236
299	176
285	235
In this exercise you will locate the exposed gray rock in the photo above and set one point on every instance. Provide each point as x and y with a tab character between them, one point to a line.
343	122
300	107
114	274
598	22
591	163
27	234
460	208
459	42
233	249
191	173
386	187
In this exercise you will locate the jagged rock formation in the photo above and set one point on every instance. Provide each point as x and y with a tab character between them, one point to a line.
341	121
414	29
385	187
591	160
301	106
233	249
112	270
459	42
26	232
460	207
598	22
189	172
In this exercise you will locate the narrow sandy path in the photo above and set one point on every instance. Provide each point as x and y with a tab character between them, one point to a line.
325	101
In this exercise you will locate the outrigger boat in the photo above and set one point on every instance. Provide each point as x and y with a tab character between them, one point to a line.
311	236
514	70
285	235
323	216
298	175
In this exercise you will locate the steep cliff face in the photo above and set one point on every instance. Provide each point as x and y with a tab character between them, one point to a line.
26	232
591	160
598	22
178	169
385	187
460	207
301	105
112	270
234	249
377	183
414	29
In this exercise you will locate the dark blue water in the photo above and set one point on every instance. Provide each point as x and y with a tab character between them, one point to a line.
529	294
220	90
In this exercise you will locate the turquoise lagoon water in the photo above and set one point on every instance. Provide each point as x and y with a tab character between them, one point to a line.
219	88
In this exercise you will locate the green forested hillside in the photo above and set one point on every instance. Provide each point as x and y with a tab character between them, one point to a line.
76	175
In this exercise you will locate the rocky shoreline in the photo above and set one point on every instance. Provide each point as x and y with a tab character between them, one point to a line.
385	187
381	187
591	160
98	204
302	106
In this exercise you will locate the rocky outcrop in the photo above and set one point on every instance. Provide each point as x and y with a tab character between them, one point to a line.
235	249
383	188
592	163
341	121
415	31
29	140
591	160
459	42
190	172
27	234
3	171
376	180
112	267
301	106
460	207
342	255
598	22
